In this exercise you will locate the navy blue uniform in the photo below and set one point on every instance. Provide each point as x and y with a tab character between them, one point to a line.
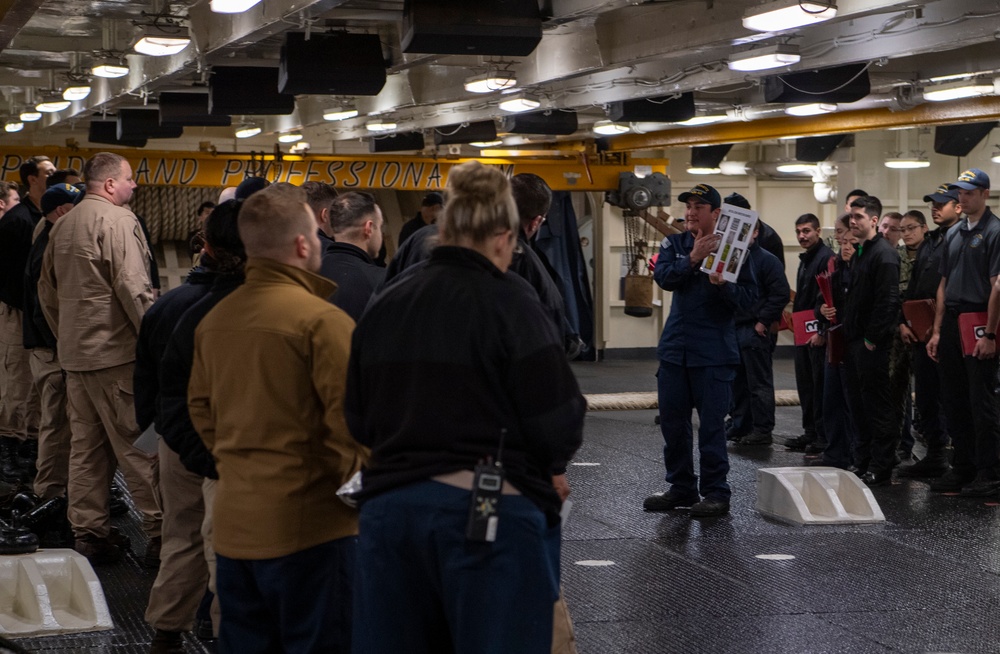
698	356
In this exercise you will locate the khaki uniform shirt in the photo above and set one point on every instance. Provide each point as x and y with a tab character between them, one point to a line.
95	286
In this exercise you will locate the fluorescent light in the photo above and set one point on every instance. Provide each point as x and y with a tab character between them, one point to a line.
519	103
608	128
788	15
340	113
905	163
486	144
30	116
813	109
703	120
795	168
13	127
490	82
159	45
733	167
74	93
764	58
52	106
379	126
291	137
231	6
247	132
109	70
703	171
957	91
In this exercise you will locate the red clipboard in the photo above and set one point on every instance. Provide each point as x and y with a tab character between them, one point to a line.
971	327
919	315
806	325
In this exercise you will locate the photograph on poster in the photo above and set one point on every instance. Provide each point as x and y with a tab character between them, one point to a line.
734	261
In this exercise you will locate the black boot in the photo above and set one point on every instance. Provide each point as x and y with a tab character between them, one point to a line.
9	471
15	539
27	457
933	465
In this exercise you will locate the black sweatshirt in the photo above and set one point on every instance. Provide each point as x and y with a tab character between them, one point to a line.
871	311
446	358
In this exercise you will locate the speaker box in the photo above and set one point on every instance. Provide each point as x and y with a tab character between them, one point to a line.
959	140
838	84
485	130
247	90
654	110
189	109
555	123
331	64
106	131
505	28
145	124
709	156
817	148
397	142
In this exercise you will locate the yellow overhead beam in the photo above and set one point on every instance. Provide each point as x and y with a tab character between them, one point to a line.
931	113
567	173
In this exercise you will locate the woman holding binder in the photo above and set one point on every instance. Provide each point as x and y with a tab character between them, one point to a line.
838	423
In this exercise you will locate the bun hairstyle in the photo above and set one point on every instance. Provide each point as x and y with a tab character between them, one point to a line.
479	204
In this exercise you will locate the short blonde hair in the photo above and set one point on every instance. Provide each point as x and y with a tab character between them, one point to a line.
271	219
479	204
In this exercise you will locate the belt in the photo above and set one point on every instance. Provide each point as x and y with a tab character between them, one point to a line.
463	479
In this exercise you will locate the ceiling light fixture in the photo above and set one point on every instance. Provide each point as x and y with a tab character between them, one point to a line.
74	93
30	116
814	109
490	82
697	170
957	91
231	6
300	148
774	56
247	132
703	120
52	106
380	126
733	168
13	127
340	113
290	137
486	144
795	168
609	128
519	103
110	69
788	14
162	41
907	163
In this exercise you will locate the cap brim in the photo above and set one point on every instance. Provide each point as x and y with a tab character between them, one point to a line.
939	197
684	197
963	185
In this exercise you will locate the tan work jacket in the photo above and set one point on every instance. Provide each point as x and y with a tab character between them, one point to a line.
95	286
267	397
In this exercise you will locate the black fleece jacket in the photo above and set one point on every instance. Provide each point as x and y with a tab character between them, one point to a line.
478	354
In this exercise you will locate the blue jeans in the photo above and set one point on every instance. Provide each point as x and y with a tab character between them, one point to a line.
299	604
708	390
422	588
